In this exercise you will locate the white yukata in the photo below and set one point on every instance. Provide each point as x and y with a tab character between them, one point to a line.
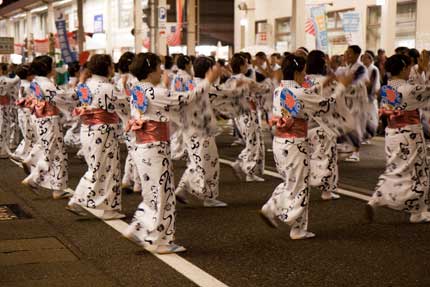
292	107
201	178
357	101
50	170
26	125
179	83
7	85
322	136
99	188
404	185
152	108
130	178
372	104
251	159
14	119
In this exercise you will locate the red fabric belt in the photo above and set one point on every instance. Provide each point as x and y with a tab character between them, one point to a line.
290	127
252	105
91	117
4	100
149	131
45	109
399	119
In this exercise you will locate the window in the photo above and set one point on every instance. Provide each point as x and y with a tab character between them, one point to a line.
283	39
125	14
261	32
373	31
406	23
336	37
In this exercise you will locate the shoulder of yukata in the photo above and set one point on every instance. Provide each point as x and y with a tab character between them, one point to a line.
421	91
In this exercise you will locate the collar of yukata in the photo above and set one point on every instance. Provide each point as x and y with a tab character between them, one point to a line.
197	80
396	83
100	78
145	84
289	84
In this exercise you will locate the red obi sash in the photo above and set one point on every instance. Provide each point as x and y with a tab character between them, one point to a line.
21	102
45	109
4	100
149	131
91	117
252	105
399	119
27	102
290	127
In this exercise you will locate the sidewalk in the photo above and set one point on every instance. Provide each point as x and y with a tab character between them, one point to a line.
52	247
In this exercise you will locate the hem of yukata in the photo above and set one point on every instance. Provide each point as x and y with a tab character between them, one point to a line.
376	200
199	194
142	234
185	183
290	220
271	204
48	185
96	207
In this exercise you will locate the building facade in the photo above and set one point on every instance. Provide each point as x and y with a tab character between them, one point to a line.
282	24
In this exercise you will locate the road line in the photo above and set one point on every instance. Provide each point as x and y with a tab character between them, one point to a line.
184	267
277	175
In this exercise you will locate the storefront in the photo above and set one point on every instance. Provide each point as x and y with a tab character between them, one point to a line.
377	28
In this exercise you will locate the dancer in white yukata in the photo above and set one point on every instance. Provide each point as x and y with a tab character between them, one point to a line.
14	128
373	87
50	171
250	162
7	84
99	188
357	100
321	134
73	134
24	114
153	224
404	185
181	79
201	178
130	180
292	108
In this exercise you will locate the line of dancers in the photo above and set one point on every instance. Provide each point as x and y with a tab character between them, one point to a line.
166	108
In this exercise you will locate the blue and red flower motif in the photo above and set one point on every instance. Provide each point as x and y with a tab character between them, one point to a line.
308	83
139	100
36	90
179	87
84	94
289	103
390	98
189	87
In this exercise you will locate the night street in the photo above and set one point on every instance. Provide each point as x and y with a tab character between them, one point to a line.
231	244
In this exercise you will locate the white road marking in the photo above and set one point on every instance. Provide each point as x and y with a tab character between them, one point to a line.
277	175
184	267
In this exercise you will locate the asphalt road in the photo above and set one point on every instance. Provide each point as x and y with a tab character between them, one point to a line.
232	244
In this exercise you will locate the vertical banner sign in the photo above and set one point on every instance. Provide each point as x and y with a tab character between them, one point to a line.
7	45
320	20
98	23
351	27
60	24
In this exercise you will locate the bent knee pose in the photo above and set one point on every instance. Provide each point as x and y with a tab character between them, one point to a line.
152	106
293	106
50	171
99	188
404	185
